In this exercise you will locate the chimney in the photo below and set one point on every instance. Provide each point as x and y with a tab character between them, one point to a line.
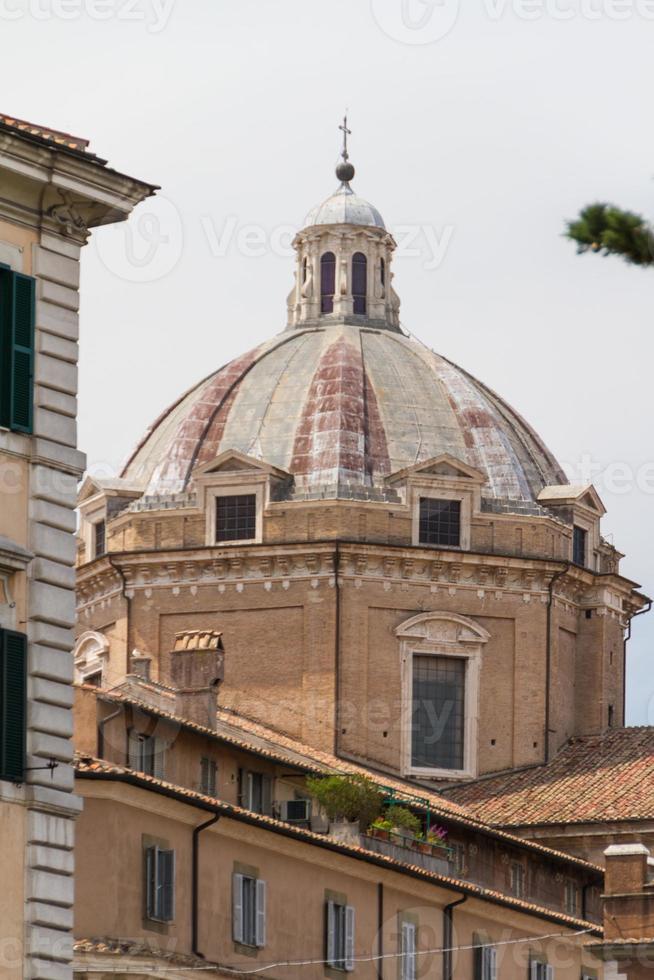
628	892
197	665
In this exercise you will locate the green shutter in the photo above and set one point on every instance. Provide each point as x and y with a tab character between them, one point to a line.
17	314
13	709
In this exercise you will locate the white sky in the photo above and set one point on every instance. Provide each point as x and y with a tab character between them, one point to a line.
482	140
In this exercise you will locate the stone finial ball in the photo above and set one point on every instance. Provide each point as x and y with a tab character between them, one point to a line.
345	171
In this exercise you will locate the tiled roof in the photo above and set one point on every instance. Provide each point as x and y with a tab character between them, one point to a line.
594	779
89	768
249	736
42	132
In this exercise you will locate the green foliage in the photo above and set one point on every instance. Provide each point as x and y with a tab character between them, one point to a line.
611	231
400	818
347	797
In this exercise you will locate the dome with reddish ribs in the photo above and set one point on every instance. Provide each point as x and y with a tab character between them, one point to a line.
341	408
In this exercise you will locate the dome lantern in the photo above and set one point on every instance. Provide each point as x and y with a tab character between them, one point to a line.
344	253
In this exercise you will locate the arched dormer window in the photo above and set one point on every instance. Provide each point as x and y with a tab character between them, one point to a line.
359	283
327	282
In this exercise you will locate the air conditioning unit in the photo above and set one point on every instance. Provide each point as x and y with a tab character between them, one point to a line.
296	811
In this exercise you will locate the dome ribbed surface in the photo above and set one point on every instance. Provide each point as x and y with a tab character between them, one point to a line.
344	407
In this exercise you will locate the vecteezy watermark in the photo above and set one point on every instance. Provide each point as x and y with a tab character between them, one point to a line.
145	248
253	241
426	21
154	14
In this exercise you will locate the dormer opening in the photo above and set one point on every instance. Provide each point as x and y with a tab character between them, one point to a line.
359	283
327	282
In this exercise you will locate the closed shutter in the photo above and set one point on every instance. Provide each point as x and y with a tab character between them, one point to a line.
331	935
151	882
549	972
488	963
266	795
478	959
167	885
13	696
349	937
134	751
237	908
17	304
408	951
260	924
158	748
536	971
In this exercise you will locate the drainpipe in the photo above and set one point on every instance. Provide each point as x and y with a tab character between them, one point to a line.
624	658
380	930
548	656
337	648
195	881
448	933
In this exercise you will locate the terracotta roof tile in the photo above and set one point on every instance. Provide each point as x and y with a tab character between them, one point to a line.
44	133
594	779
89	767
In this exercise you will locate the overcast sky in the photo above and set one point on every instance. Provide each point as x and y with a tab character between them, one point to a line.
476	132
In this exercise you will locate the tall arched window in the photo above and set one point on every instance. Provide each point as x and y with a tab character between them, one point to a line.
359	282
327	282
382	272
304	269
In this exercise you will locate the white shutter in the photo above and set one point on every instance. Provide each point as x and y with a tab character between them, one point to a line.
534	973
489	963
408	951
549	972
349	937
237	907
261	913
331	934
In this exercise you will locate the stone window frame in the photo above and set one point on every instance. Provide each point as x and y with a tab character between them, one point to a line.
442	634
432	490
234	490
90	655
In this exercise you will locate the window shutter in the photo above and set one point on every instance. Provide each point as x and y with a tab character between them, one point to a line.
158	749
17	304
534	970
492	963
150	882
549	972
349	937
13	697
260	925
331	934
167	885
408	951
266	795
133	750
237	908
478	959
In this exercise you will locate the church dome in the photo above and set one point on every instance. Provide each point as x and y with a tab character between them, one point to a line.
341	407
344	207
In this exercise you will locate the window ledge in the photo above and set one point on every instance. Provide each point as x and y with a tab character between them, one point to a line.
13	556
440	773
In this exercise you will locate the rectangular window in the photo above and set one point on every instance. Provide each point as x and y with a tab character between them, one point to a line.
147	754
340	936
437	723
208	772
458	858
248	910
408	951
99	539
13	705
485	963
256	792
17	305
518	879
540	971
579	535
236	517
571	898
440	522
160	884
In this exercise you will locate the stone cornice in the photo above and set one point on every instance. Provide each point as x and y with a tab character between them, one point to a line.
394	569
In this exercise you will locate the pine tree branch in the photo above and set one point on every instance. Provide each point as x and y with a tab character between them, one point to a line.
609	230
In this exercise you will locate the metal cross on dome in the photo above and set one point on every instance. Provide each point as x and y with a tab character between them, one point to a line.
346	132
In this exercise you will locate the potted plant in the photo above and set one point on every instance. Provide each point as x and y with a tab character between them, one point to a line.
350	802
381	828
403	821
